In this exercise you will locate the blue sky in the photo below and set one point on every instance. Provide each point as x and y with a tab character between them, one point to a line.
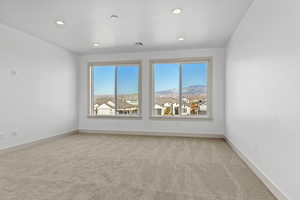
128	80
166	77
104	80
194	74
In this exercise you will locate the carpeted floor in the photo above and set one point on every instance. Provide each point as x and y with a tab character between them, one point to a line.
102	167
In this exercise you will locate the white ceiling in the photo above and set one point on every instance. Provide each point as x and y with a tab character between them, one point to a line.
203	23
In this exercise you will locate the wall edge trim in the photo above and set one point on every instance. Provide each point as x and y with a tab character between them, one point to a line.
273	188
38	141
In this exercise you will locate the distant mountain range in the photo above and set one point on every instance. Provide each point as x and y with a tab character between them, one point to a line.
191	90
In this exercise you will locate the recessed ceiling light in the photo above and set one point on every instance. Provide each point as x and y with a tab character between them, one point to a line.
177	11
140	44
181	38
96	44
60	22
113	17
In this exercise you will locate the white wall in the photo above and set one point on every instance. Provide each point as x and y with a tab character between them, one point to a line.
215	126
40	100
263	91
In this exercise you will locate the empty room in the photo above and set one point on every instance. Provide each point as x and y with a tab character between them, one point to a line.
149	100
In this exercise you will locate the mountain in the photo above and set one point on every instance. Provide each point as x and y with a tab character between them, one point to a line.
198	89
190	90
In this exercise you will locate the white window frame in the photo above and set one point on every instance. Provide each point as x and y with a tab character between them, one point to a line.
91	65
208	60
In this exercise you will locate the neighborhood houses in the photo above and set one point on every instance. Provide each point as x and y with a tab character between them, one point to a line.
162	106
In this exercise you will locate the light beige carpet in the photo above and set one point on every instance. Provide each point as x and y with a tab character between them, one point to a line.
102	167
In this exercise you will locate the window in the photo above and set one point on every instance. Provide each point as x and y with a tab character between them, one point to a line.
181	88
114	89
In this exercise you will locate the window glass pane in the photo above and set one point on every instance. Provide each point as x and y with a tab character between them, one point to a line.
166	90
194	89
128	90
104	90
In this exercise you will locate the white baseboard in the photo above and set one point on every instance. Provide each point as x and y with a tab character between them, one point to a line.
154	133
270	185
38	141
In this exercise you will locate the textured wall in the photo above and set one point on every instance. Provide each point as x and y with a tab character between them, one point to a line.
262	91
38	89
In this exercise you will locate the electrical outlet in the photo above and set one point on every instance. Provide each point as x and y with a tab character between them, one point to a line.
14	133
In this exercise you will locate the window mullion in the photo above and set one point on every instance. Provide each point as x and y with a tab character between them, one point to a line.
180	89
91	74
116	88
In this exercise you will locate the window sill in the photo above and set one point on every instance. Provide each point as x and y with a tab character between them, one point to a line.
181	118
115	117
